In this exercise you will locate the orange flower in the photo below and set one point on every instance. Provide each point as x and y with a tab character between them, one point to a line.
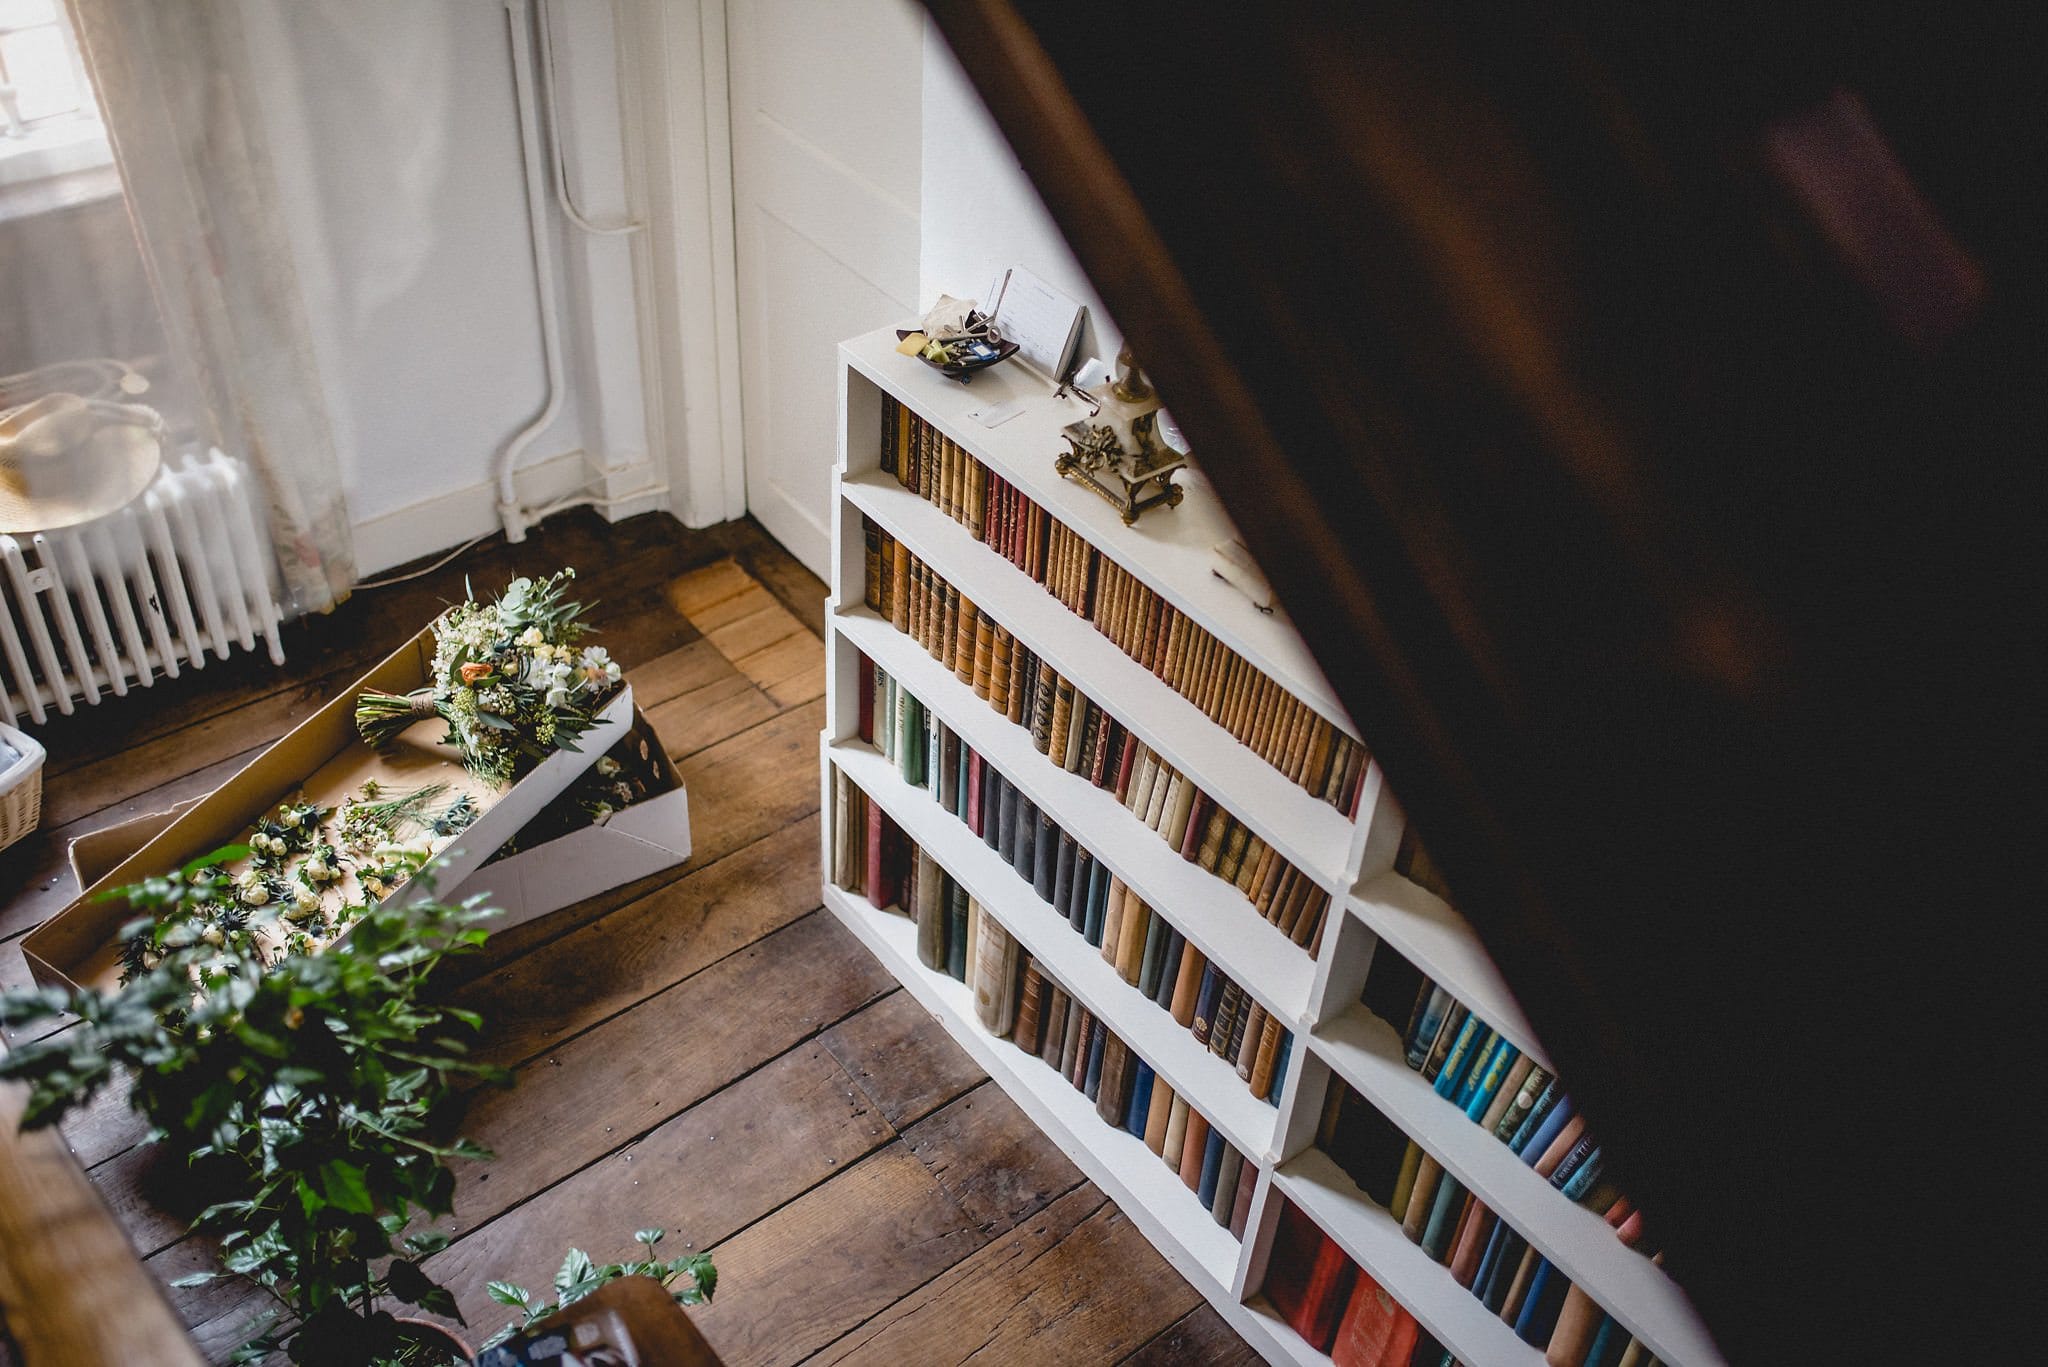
475	671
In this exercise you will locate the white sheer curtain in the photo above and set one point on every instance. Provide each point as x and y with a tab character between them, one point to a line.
173	79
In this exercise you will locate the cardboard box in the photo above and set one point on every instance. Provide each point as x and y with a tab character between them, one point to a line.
324	758
651	835
643	839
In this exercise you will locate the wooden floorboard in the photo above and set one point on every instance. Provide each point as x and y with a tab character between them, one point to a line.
706	1050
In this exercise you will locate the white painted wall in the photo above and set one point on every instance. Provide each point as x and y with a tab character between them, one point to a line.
393	131
980	213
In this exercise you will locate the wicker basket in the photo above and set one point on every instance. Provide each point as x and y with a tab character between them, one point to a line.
21	787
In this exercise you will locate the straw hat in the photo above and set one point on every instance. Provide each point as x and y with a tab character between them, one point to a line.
66	460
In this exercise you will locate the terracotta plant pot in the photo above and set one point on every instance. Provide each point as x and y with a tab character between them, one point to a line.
428	1334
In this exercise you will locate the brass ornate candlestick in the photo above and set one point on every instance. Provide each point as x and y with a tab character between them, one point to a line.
1122	458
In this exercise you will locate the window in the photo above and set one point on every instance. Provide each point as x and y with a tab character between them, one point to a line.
42	76
53	148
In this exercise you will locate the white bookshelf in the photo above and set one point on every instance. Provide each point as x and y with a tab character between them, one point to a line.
1316	998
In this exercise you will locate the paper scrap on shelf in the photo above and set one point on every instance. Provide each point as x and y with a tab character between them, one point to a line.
996	414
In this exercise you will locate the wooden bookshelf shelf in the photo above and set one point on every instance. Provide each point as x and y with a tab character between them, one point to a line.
1366	1052
1214	915
1352	857
1313	835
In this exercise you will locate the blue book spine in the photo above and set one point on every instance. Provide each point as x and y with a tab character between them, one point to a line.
1077	902
1024	857
1559	1117
1538	1113
1097	1039
1610	1341
1280	1066
1496	1243
934	751
1580	1184
1212	1167
1493	1293
1169	971
1139	1109
1426	1025
960	788
1476	1063
1539	1308
1495	1073
1098	903
1443	1218
1455	1062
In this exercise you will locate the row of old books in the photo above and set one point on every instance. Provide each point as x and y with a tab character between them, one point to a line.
1147	950
1498	1087
1483	1253
1277	726
1082	737
1018	999
1129	1095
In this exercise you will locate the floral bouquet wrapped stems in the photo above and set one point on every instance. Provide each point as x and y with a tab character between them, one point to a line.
511	678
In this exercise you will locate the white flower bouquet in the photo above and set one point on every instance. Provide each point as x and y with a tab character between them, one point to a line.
511	678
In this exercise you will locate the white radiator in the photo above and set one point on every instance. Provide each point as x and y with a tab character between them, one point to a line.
110	604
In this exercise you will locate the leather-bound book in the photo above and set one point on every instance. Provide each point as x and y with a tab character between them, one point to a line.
1024	1034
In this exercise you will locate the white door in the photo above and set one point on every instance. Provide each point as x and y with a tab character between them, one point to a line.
826	109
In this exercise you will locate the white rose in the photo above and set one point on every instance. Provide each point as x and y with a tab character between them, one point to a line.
607	767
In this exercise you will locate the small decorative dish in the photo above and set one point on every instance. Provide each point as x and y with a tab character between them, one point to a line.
960	358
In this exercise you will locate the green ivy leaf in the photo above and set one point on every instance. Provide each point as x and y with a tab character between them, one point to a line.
505	1293
576	1269
344	1187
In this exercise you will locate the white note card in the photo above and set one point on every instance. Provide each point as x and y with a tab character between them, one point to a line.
1044	322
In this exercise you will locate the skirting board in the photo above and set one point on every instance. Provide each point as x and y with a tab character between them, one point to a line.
447	520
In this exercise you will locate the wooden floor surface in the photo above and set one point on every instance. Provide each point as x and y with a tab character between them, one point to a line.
707	1050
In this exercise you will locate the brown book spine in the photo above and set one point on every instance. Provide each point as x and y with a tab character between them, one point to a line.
1025	1035
1578	1319
1130	949
1215	831
1308	929
899	586
1091	1028
1074	1050
984	656
1264	1061
1062	716
1288	914
946	643
1422	1198
1113	918
965	626
1511	1308
1244	1045
1113	1087
1193	1143
1233	851
1053	1038
1023	677
1227	1008
1187	986
1000	650
1157	1115
1196	826
1043	694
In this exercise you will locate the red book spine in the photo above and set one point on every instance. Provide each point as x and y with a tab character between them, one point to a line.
1308	1278
1198	817
1124	766
864	688
1367	1328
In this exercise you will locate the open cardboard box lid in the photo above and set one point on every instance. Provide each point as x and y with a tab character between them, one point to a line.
324	759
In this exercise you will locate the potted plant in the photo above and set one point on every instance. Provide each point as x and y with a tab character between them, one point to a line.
322	1088
579	1276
